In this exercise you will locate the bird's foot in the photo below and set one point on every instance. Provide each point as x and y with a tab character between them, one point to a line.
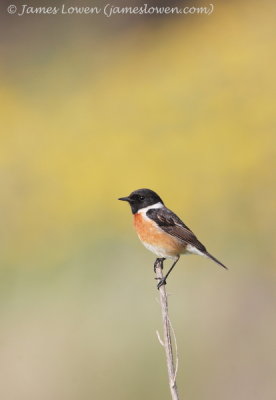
158	261
162	281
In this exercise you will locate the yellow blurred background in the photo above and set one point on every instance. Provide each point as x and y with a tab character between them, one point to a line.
91	109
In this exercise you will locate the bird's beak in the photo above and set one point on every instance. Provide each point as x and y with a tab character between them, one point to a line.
124	199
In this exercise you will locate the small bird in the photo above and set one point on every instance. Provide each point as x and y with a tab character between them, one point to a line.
161	231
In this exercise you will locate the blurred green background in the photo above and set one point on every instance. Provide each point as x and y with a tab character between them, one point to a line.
91	109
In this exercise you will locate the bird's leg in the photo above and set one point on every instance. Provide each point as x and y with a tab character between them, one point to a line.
157	261
163	280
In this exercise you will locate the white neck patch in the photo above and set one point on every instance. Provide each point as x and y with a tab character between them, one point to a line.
153	206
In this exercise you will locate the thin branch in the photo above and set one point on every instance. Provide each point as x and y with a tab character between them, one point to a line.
176	350
159	338
167	342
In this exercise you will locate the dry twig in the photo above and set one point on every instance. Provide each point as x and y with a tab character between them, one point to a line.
166	341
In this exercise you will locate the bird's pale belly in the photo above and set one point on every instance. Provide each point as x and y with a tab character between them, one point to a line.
154	239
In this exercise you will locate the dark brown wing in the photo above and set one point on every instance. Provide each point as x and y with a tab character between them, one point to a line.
171	224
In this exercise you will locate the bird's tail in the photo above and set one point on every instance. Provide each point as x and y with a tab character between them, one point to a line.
214	259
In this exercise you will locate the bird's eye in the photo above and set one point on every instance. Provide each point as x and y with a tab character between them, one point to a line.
141	198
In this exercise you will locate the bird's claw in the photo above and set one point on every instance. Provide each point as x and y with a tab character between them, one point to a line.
162	281
158	261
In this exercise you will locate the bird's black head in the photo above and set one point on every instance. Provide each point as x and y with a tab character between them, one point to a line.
141	198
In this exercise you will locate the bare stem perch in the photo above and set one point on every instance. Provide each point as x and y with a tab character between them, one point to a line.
166	342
